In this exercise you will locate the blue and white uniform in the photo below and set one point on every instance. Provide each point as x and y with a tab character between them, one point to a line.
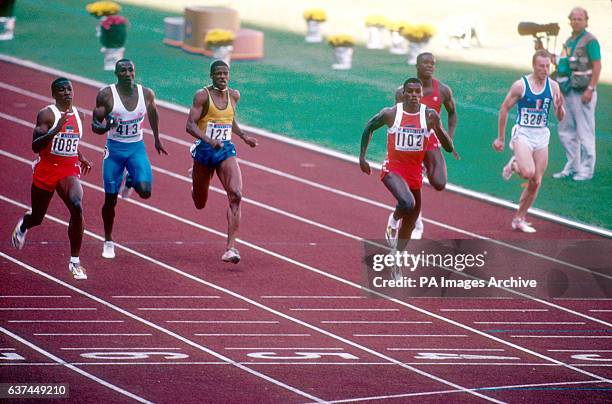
532	116
125	147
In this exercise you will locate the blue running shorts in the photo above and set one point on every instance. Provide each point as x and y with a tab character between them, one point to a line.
205	154
119	156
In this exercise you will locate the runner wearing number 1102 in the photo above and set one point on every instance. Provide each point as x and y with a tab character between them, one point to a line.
211	122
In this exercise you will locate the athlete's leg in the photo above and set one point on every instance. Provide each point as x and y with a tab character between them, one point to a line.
540	158
71	192
435	164
40	203
407	207
231	178
200	180
139	170
524	164
112	169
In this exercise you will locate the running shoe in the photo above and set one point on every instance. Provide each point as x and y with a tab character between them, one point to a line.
507	171
392	232
521	225
562	174
19	236
417	232
126	188
108	251
77	271
396	272
581	177
231	255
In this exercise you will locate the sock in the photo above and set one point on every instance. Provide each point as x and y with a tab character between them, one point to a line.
75	260
394	222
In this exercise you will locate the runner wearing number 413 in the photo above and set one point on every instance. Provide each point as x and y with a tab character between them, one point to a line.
534	94
211	122
123	107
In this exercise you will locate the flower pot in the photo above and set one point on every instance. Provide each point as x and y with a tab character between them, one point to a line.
113	37
343	56
399	44
112	56
7	28
375	38
414	49
313	31
223	52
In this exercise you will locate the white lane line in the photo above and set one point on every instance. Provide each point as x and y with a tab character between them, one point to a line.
412	335
190	309
65	321
72	367
8	349
254	303
300	264
494	310
49	308
600	311
281	349
346	309
374	322
149	323
166	297
50	334
118	349
448	349
531	322
561	336
312	297
33	297
579	350
221	322
302	144
334	277
252	335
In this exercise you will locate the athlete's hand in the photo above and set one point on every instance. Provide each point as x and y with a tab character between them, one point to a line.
85	165
456	155
216	144
498	144
365	166
60	122
160	148
251	141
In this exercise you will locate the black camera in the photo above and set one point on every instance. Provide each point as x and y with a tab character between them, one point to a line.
531	28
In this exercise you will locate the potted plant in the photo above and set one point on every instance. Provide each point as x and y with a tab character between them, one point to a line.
220	42
7	20
399	44
375	25
343	51
419	36
113	34
314	18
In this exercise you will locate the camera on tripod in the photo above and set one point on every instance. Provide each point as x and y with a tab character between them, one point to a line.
539	31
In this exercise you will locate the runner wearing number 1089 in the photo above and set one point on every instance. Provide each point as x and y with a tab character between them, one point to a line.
123	106
211	122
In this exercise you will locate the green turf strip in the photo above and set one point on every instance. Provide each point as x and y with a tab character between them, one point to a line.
293	91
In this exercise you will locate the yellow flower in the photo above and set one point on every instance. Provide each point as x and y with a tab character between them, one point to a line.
103	8
376	21
219	37
396	26
341	40
418	33
315	14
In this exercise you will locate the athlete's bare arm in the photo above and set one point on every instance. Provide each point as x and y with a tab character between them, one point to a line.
434	123
104	106
43	133
385	116
513	96
153	118
251	141
557	100
451	111
198	109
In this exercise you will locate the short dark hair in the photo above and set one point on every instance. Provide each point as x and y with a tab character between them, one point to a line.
57	82
540	53
412	80
122	61
421	55
216	64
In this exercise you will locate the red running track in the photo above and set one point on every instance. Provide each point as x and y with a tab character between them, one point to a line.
166	320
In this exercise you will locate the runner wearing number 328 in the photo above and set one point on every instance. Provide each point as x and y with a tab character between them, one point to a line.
534	94
120	111
211	122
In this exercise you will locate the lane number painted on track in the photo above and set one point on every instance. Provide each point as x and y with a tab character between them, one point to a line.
11	356
591	357
447	356
133	355
301	355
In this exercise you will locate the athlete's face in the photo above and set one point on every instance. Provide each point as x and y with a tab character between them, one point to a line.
541	67
63	92
426	66
220	77
578	21
125	73
412	94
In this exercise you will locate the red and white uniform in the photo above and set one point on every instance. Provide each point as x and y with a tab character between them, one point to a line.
407	142
433	101
60	158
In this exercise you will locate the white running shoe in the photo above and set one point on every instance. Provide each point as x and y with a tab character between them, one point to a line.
396	272
19	236
108	251
231	255
125	192
562	174
417	232
392	233
522	225
77	271
581	177
507	171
